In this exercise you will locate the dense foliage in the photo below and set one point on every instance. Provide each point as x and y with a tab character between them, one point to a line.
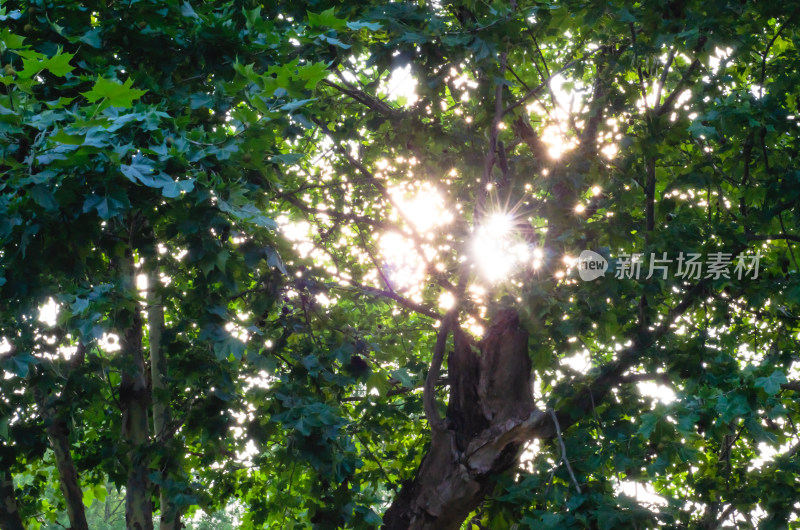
238	249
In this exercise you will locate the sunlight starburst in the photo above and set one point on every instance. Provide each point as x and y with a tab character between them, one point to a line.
497	248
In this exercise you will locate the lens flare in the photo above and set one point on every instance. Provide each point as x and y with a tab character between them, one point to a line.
497	249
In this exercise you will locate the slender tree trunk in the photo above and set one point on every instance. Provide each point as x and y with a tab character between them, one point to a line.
135	401
58	435
489	417
158	361
9	514
170	514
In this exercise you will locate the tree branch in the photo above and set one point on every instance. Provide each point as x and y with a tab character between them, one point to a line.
405	302
663	109
359	96
437	424
663	79
791	385
491	152
787	237
637	378
588	137
642	87
395	391
764	58
334	214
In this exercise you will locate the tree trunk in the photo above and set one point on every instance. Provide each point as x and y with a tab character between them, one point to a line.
58	436
170	514
134	399
456	474
490	415
9	514
57	433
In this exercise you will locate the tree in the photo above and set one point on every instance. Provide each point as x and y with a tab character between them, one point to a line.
334	263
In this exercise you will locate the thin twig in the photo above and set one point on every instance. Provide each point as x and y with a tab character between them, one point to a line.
663	78
371	103
764	58
639	71
377	461
791	251
416	237
725	514
535	90
549	483
663	109
564	450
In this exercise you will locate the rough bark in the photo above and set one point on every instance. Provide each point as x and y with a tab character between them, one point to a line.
489	414
135	400
9	513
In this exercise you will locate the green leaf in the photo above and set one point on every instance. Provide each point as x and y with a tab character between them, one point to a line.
142	170
334	41
188	11
9	40
100	492
200	100
326	19
62	137
772	383
116	94
21	362
44	197
58	65
312	74
302	427
274	260
698	129
139	169
248	213
402	375
732	406
106	206
294	105
287	158
176	188
92	38
230	347
88	496
13	15
648	423
79	306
